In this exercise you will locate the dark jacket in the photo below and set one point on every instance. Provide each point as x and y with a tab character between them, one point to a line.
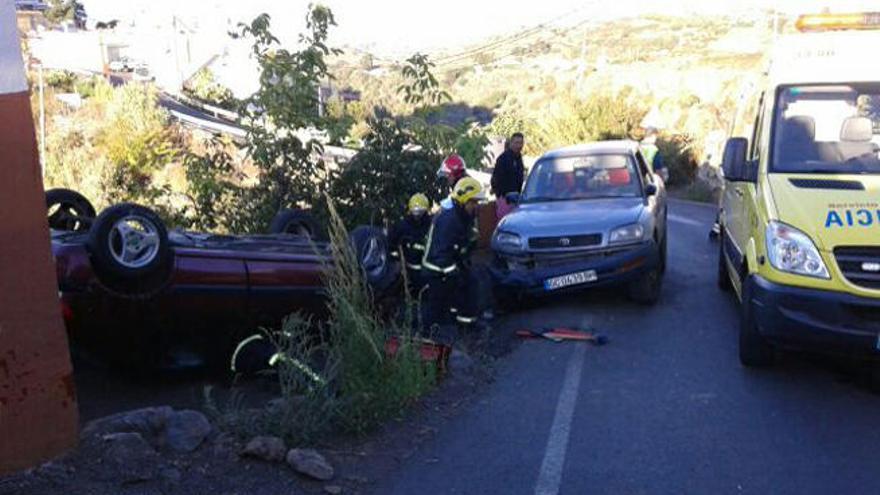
448	242
410	235
509	174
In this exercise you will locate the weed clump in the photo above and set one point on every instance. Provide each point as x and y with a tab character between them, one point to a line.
335	376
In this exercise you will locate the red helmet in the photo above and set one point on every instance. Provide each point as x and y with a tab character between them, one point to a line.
453	166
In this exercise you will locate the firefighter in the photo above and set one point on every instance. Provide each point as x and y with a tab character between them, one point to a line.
409	236
453	169
446	263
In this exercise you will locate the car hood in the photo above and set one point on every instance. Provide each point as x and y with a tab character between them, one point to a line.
561	218
830	215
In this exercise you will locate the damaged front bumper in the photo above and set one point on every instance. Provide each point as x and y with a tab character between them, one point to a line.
528	273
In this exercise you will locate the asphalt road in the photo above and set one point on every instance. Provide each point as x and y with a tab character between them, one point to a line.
664	408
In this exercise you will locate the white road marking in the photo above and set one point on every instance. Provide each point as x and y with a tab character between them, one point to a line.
688	221
550	476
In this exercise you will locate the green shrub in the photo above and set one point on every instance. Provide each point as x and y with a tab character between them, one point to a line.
204	86
678	157
62	80
377	183
338	376
112	148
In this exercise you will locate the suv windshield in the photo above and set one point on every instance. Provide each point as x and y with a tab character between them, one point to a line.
827	129
583	177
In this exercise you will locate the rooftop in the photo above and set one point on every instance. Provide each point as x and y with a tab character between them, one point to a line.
598	147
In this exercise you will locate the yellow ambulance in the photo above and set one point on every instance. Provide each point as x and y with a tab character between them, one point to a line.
800	212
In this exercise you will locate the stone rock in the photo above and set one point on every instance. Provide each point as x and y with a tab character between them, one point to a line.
333	489
460	362
130	457
270	449
149	422
310	463
710	176
171	475
186	430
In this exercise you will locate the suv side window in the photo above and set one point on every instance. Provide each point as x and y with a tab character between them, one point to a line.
647	176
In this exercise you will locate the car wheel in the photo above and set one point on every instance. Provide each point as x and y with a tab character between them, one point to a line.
646	290
754	350
69	210
296	222
129	250
371	249
723	276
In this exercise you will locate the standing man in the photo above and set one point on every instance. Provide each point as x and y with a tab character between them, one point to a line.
445	265
508	175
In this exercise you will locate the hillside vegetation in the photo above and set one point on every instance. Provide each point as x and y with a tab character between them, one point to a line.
689	69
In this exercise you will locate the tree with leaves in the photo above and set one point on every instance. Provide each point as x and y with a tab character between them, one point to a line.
66	11
277	119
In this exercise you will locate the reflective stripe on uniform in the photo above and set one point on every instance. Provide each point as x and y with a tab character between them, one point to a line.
435	268
414	266
241	346
465	319
431	266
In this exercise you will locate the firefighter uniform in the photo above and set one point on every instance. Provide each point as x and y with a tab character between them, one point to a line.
409	237
445	266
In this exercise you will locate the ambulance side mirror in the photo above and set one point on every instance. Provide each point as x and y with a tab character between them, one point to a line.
733	163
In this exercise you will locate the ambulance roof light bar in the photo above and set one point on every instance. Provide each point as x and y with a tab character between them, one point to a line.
838	22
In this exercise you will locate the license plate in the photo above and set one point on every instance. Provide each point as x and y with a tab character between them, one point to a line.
570	279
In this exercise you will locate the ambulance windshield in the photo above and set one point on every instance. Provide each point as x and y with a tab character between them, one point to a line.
827	130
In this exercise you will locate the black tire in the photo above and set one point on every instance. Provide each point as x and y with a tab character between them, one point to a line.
371	249
297	222
141	265
646	290
723	275
69	210
664	256
754	350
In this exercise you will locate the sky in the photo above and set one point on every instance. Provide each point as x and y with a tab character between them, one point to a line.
395	27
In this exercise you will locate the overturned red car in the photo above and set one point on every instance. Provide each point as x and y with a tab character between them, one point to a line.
136	294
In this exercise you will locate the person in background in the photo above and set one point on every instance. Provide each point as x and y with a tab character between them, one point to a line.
509	174
652	154
408	237
452	170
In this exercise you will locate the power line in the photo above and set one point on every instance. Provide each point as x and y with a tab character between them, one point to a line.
509	39
515	49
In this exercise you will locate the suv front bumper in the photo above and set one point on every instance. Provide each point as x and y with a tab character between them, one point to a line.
617	268
817	320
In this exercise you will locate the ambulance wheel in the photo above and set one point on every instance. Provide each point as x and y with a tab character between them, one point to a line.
754	350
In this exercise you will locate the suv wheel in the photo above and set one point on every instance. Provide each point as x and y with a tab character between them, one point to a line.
646	290
754	350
